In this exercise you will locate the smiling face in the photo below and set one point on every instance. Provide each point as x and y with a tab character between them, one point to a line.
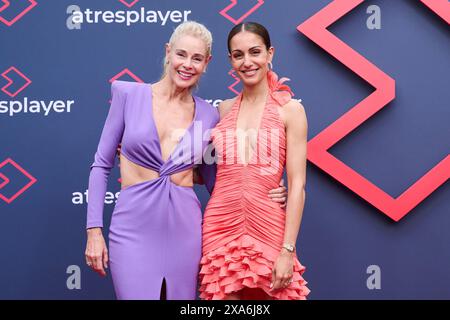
187	58
249	57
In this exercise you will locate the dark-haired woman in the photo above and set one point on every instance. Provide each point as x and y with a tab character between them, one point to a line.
248	241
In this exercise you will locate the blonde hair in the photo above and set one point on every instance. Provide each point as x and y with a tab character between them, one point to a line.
190	28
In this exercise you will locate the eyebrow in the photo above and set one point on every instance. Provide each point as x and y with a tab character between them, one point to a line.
255	47
195	54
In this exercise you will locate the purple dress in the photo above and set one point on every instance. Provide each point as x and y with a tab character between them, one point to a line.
155	230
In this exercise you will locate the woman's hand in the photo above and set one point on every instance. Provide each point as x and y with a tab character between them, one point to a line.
96	251
279	194
283	270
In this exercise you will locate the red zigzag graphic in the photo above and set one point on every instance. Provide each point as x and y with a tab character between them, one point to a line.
396	208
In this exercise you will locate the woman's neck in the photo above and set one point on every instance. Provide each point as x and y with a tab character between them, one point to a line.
169	90
256	93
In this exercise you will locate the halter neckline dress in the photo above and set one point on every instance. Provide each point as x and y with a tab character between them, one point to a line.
243	230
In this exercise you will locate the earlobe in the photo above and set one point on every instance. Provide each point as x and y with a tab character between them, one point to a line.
207	63
167	48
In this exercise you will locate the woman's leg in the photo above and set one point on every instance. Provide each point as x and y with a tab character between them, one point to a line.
249	294
163	294
233	296
254	294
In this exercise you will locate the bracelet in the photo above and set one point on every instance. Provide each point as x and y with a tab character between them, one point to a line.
289	247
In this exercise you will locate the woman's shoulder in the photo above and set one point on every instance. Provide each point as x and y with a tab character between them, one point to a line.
294	105
207	108
293	111
126	87
225	106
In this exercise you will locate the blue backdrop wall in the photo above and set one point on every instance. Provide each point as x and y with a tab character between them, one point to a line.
46	147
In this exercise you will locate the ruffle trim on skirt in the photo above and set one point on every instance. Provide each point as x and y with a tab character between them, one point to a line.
243	263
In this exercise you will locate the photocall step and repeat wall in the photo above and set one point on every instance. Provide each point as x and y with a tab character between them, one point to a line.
373	77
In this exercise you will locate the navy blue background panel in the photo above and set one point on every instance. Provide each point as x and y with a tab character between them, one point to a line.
55	80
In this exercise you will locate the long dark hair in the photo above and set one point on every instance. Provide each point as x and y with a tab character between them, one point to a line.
252	27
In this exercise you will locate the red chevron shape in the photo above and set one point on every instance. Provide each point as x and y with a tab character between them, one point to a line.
232	73
440	7
396	208
5	180
124	72
6	5
32	181
224	11
5	73
129	4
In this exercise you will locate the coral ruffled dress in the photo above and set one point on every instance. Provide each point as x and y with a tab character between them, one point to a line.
243	229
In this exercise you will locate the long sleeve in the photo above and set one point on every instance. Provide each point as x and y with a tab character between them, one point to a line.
105	157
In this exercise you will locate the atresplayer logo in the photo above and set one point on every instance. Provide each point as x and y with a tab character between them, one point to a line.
16	82
77	16
83	197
